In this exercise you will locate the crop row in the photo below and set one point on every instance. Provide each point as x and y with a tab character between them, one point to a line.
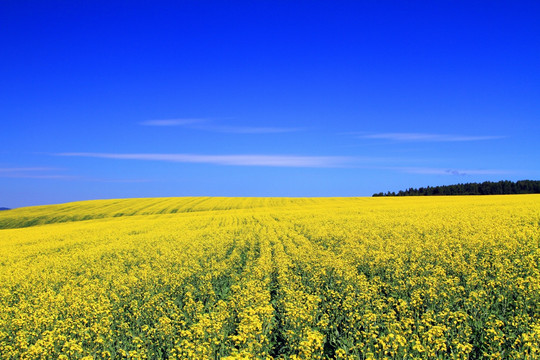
403	280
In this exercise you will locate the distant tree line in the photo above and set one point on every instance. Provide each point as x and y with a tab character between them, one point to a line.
485	188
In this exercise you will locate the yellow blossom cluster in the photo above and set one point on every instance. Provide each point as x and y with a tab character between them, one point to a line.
272	278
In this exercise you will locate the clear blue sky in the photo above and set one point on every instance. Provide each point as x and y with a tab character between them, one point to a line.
264	98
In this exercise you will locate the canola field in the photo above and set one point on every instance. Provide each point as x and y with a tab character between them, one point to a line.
272	278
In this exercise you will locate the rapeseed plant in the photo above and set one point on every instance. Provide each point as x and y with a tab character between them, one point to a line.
225	278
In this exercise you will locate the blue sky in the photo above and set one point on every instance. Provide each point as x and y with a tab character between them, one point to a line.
259	98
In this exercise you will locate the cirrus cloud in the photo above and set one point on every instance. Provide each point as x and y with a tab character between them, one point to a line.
428	137
448	171
234	160
208	125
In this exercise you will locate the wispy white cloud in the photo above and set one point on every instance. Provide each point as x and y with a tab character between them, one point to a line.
448	171
25	169
249	130
108	180
427	137
38	176
51	173
172	122
208	125
234	160
31	173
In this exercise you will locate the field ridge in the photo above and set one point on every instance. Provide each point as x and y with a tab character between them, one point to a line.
100	209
